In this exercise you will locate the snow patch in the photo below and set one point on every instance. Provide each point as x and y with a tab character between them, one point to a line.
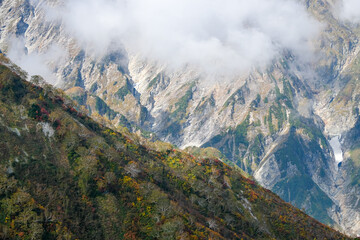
336	146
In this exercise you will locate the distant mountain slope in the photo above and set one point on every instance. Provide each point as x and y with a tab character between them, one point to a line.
64	176
276	123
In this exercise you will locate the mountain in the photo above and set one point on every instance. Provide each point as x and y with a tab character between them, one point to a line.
65	176
296	134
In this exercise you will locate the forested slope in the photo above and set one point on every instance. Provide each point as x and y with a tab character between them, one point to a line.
64	176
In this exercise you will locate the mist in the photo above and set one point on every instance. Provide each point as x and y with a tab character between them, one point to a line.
215	37
348	10
35	63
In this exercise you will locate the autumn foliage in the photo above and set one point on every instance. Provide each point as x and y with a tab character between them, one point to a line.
86	181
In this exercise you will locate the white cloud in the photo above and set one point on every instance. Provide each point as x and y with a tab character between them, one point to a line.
35	63
217	36
349	10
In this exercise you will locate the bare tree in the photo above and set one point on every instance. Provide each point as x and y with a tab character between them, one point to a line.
163	208
37	80
132	169
84	132
48	216
119	147
212	224
157	218
110	177
147	188
229	219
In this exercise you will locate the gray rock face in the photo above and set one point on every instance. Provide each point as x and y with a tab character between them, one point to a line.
268	174
275	124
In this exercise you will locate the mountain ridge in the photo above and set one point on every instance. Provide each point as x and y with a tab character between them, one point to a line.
64	175
249	125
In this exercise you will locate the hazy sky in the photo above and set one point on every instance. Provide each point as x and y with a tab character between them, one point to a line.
217	36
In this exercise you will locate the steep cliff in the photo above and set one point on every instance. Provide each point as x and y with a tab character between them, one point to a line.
276	124
65	176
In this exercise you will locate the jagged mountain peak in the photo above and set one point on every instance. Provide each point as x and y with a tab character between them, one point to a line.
276	123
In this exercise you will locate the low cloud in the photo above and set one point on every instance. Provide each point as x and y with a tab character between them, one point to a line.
348	10
36	63
217	37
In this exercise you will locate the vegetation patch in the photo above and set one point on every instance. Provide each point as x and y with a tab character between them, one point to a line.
94	88
233	143
103	109
123	91
182	104
237	97
154	81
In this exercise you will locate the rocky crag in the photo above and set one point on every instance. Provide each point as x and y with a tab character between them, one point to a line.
296	134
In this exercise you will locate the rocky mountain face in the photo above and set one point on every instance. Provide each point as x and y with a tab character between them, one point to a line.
293	126
64	176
